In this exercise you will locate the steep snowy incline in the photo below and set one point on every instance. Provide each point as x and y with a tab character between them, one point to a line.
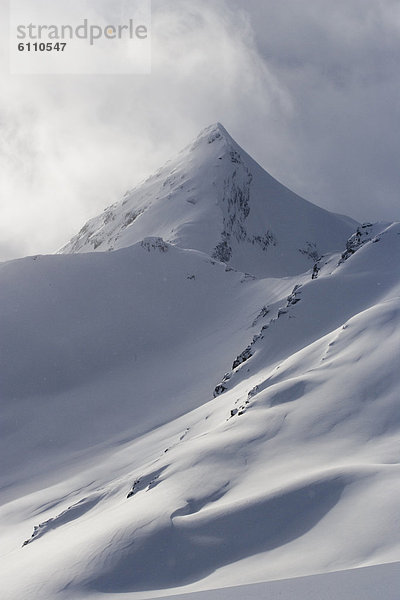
215	198
293	468
135	337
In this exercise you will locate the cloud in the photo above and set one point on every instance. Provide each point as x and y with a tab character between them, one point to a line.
70	145
310	89
338	62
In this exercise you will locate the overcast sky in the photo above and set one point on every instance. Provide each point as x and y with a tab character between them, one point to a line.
310	88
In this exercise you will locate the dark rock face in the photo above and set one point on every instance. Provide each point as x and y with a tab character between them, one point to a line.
236	208
154	243
358	239
223	251
220	389
311	251
243	356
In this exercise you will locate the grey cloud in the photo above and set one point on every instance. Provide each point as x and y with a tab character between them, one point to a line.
72	145
339	63
308	88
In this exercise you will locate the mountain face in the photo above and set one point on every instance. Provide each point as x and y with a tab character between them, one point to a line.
175	418
215	198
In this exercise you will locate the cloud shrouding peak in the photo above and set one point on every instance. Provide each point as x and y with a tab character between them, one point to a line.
315	119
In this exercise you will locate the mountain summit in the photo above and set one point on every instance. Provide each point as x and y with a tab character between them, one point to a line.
215	198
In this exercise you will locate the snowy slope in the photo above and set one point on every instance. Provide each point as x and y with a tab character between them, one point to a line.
137	337
170	424
370	583
215	198
293	469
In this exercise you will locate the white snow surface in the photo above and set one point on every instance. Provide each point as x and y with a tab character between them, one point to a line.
368	583
175	427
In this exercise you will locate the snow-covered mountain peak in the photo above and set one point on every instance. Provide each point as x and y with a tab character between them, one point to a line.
215	198
214	133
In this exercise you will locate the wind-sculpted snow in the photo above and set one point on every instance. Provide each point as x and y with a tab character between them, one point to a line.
189	546
70	514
